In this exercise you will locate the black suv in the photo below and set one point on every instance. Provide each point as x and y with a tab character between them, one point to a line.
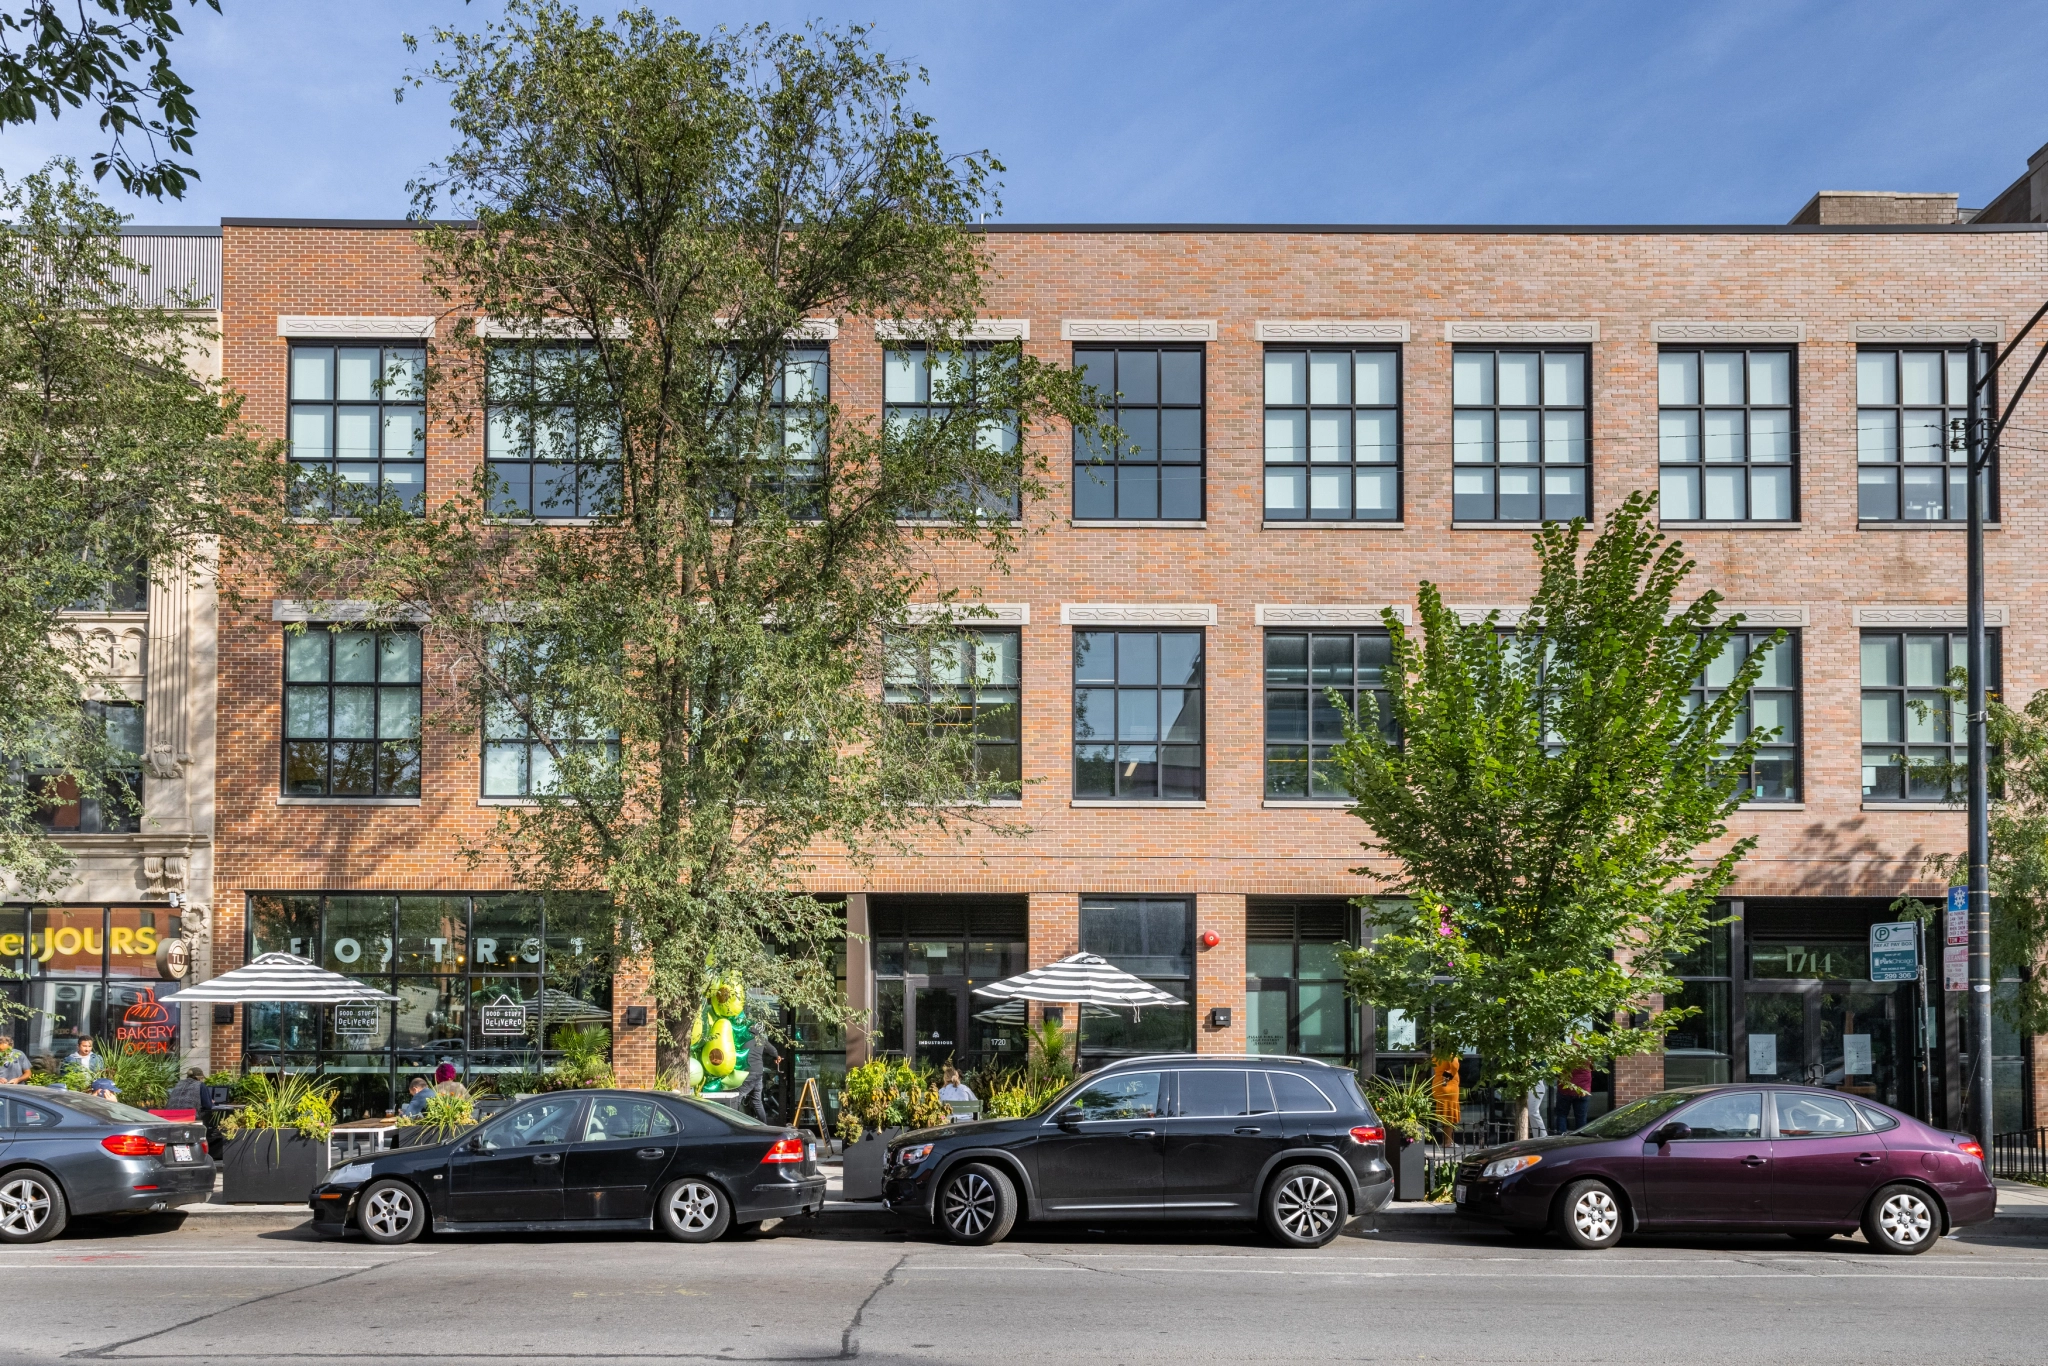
1288	1141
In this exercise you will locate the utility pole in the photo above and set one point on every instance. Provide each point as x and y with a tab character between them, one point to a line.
1977	440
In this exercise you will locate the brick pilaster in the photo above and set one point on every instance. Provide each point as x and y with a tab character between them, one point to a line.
1219	971
633	1045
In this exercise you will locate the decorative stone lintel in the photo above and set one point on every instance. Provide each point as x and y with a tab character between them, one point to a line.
1511	614
342	325
970	614
1515	330
1329	330
293	609
1137	614
545	329
1927	614
810	329
1138	329
1730	330
982	330
1311	614
1927	330
1763	616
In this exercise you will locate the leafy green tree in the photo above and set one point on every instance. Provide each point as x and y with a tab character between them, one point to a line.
1546	796
115	461
660	219
54	55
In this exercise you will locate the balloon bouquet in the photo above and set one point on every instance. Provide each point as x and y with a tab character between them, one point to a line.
719	1039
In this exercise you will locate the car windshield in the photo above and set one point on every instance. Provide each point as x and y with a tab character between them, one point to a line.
1636	1116
110	1111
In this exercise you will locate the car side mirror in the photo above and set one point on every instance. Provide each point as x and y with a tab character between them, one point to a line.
476	1143
1069	1117
1670	1131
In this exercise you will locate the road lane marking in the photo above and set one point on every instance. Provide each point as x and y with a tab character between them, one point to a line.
1852	1274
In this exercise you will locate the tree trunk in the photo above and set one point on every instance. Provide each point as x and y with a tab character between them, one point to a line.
1522	1115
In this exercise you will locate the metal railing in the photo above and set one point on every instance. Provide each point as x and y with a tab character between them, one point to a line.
2024	1153
1445	1155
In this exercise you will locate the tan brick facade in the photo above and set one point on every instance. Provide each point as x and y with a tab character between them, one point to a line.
1235	845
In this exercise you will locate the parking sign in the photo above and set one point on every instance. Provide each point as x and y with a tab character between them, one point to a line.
1894	951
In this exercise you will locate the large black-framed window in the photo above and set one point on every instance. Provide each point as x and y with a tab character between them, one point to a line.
358	413
917	382
1520	438
971	684
351	713
799	401
553	450
1773	704
1727	434
929	954
1915	736
1153	395
1295	1001
1138	713
1333	434
1699	1051
1303	669
1908	467
1151	937
444	956
518	763
89	971
64	810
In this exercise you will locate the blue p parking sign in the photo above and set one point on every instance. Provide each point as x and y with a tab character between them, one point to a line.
1894	951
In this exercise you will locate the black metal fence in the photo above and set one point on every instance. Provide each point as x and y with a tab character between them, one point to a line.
1441	1159
2024	1153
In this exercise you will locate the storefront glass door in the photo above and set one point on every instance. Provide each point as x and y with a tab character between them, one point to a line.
1854	1037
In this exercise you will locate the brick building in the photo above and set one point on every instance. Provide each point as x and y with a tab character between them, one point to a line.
1341	413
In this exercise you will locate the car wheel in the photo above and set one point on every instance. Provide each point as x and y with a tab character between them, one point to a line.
1303	1207
693	1210
1589	1216
391	1212
1902	1219
32	1208
977	1204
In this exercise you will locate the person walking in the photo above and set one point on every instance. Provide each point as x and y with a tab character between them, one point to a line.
1573	1093
763	1057
13	1062
1534	1100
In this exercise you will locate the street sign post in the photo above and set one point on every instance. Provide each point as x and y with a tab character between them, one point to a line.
1894	951
1957	920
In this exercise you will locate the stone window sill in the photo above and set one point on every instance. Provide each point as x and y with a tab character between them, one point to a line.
1913	806
348	801
1676	524
1503	526
1304	804
506	801
1079	803
1772	806
1149	524
1958	525
1305	524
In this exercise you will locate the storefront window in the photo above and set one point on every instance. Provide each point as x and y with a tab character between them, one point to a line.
1826	962
1295	1001
929	955
1149	937
91	971
1696	1051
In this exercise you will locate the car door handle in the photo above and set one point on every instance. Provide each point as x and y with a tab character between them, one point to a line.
546	1159
1867	1158
650	1154
1248	1130
1144	1133
1754	1161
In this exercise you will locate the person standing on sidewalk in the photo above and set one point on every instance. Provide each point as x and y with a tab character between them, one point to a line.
13	1062
1572	1095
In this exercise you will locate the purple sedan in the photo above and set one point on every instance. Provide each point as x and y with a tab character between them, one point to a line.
1742	1159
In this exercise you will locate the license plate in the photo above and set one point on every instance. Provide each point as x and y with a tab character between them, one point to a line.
1458	1194
810	1152
181	1152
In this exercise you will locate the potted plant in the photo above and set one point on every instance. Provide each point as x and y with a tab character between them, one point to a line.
1408	1109
277	1140
879	1100
444	1117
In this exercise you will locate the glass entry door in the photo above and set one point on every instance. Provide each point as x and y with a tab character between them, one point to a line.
936	1023
1854	1037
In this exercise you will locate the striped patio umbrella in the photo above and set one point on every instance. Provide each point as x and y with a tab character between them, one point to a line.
278	977
1085	978
559	1007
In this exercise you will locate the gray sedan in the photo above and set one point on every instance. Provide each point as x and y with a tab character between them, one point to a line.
64	1153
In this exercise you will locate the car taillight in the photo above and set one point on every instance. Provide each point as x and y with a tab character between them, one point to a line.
1368	1133
785	1150
131	1145
1973	1148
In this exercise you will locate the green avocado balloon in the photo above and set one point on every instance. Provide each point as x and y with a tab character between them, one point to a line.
720	1054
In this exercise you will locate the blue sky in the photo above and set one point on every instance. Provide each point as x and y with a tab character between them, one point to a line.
1274	112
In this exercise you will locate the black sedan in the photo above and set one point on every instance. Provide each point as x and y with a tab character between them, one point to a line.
66	1152
1287	1141
576	1160
1745	1159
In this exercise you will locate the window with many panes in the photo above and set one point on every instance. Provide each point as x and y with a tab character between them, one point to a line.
1153	938
1295	1001
1138	715
62	806
520	762
357	415
967	685
1518	436
1153	395
553	446
1773	704
1726	435
1333	435
920	385
352	713
1906	469
1303	723
1915	734
798	398
1698	1051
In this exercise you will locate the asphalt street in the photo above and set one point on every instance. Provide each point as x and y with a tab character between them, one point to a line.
1071	1295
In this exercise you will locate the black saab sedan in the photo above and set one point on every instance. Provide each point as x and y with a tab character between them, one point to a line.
1744	1159
577	1160
1287	1141
66	1153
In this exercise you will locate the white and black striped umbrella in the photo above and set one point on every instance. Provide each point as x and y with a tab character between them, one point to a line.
279	977
1085	978
559	1007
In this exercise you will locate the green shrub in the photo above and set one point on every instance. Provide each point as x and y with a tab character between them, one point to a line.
1408	1107
888	1094
294	1100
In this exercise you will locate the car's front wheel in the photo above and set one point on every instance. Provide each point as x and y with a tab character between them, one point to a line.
32	1208
391	1212
1902	1219
977	1204
1303	1207
693	1210
1589	1216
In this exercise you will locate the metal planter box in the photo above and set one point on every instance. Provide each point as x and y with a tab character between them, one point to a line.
861	1172
272	1167
1411	1171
